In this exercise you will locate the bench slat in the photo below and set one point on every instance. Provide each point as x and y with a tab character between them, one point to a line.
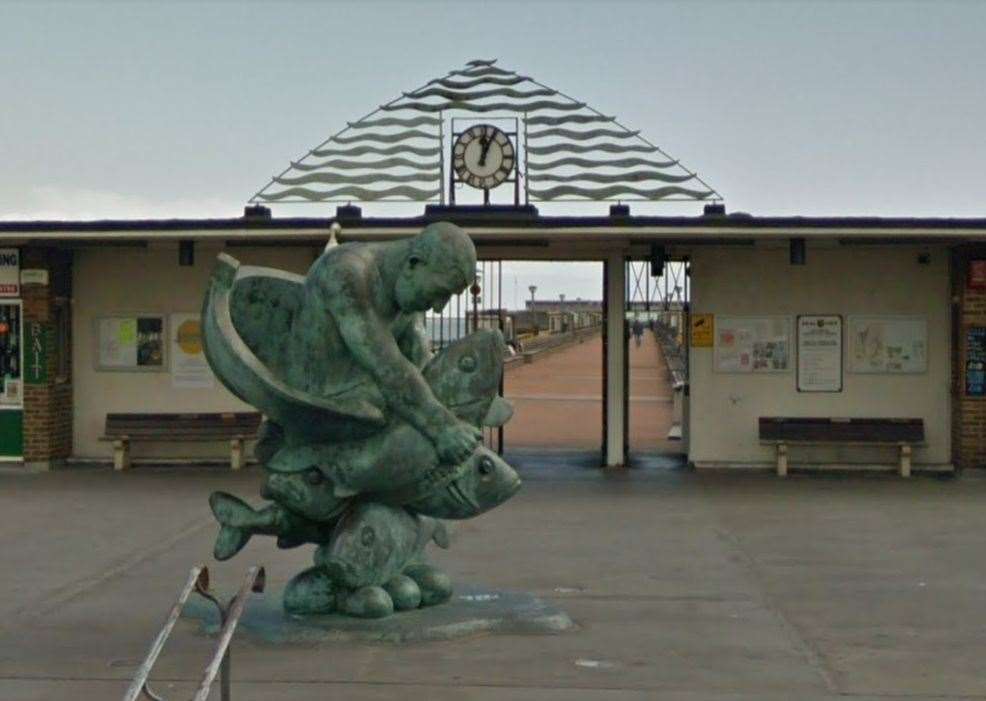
838	430
197	426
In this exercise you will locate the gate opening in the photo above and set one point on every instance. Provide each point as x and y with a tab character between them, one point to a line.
551	316
656	352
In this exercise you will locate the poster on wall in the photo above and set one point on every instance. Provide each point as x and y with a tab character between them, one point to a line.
752	343
11	355
702	326
888	344
10	272
975	361
189	368
819	353
976	279
130	343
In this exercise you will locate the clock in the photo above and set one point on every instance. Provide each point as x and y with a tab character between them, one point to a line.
483	156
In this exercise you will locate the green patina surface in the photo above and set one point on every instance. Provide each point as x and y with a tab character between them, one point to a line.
369	439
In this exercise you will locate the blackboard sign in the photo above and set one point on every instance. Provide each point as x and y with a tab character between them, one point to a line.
975	361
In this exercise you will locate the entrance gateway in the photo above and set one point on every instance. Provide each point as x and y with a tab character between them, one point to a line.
901	300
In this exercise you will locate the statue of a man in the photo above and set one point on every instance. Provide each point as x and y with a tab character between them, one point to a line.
360	327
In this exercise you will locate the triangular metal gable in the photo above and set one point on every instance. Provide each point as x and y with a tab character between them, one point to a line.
568	151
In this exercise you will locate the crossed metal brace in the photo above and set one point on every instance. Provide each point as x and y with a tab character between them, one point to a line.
229	616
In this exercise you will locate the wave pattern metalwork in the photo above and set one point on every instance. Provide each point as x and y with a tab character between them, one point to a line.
399	149
551	166
360	194
620	191
350	179
566	149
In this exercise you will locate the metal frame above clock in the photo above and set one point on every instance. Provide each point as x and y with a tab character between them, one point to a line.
470	148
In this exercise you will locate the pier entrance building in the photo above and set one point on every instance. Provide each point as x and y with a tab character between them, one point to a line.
784	342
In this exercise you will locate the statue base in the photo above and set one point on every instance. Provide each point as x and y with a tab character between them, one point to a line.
470	611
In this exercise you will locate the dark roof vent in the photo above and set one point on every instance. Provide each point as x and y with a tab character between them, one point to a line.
349	211
256	211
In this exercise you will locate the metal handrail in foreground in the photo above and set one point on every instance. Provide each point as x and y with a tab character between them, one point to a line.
229	615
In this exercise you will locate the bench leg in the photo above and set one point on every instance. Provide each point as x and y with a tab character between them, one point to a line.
781	459
121	455
905	460
236	453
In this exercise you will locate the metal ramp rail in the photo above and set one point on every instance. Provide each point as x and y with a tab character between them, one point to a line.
229	616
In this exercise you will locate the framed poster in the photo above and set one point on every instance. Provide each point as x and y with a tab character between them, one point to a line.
975	361
130	343
819	353
755	344
189	368
888	344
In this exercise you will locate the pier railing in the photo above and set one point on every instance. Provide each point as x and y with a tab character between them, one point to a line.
220	663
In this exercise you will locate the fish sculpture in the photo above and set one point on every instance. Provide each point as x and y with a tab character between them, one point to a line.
340	471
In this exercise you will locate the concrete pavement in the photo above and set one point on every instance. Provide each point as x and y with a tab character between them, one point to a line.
685	586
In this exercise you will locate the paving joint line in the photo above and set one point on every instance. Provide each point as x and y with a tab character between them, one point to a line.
808	650
73	590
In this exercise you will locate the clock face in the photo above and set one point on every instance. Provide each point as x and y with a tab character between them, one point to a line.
483	156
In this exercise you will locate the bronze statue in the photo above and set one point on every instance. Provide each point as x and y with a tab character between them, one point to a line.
368	437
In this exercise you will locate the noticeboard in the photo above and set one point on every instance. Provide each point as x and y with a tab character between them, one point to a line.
888	344
130	343
975	361
754	344
819	353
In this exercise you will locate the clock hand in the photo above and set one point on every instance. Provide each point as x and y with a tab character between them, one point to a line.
486	149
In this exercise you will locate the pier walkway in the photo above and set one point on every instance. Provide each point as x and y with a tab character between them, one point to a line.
558	399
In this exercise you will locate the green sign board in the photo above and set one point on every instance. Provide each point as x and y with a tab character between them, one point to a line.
35	353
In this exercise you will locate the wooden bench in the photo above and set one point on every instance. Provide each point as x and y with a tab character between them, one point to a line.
123	429
782	431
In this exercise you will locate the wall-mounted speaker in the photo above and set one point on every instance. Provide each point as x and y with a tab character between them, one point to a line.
658	257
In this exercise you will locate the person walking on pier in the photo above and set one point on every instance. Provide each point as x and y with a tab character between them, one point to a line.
638	331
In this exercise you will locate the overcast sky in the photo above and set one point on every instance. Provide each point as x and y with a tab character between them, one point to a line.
131	109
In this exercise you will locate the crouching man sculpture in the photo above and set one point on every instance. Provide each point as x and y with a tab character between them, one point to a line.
369	440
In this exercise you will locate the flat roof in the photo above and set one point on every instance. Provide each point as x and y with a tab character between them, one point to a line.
522	223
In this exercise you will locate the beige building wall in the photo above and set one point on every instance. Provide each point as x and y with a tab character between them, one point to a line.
111	281
836	280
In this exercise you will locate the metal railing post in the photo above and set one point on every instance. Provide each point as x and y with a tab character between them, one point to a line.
229	616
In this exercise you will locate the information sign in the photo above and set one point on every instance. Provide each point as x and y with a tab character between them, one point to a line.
975	361
703	330
820	353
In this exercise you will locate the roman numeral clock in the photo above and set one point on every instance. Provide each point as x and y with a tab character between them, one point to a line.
484	156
